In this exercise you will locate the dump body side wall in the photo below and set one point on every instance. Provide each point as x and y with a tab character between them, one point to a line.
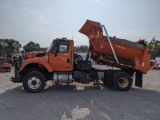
124	49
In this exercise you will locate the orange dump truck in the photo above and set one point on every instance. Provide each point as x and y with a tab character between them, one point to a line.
61	65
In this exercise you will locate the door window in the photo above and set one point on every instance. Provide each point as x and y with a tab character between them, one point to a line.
63	46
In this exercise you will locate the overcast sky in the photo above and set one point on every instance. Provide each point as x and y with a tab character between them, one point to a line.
42	21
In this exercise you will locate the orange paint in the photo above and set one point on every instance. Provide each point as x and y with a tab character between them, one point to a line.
100	47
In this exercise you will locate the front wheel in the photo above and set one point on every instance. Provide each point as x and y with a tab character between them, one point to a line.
122	81
34	82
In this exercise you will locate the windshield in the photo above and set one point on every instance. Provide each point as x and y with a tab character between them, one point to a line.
49	48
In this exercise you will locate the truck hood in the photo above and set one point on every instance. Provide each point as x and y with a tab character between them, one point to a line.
39	60
34	54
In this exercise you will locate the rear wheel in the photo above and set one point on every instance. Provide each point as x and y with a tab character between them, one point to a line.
122	81
108	80
34	82
108	83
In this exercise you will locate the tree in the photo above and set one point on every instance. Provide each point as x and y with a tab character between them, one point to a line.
1	47
31	46
82	48
43	49
155	45
9	46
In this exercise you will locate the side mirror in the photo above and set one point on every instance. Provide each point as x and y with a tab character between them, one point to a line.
56	48
55	51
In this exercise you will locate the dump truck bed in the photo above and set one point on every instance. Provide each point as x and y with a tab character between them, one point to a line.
130	55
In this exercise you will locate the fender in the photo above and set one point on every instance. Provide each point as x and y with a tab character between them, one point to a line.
42	62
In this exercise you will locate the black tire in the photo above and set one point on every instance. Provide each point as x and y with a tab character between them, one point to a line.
109	82
32	79
107	79
122	81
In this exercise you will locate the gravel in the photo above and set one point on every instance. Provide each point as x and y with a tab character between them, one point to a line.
80	102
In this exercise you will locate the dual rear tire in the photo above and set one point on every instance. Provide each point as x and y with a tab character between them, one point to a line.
120	81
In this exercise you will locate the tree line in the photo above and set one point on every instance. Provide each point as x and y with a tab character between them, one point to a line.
155	45
82	48
11	46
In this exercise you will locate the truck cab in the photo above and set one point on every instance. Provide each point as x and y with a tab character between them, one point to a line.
61	54
58	57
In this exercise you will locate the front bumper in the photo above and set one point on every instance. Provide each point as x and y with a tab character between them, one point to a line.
17	77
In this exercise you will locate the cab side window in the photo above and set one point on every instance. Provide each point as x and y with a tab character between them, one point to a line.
63	46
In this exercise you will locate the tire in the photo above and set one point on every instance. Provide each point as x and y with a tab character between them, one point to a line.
109	82
107	79
122	81
34	82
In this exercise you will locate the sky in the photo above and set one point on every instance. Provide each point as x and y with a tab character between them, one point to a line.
42	21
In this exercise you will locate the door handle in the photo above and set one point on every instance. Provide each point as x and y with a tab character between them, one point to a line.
68	60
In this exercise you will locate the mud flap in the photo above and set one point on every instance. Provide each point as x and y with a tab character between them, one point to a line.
139	79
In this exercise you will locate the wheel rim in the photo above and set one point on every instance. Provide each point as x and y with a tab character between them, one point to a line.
34	82
123	82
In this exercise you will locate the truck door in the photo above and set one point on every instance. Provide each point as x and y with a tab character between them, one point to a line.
61	56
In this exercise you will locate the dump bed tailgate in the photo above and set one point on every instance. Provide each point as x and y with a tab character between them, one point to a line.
89	28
